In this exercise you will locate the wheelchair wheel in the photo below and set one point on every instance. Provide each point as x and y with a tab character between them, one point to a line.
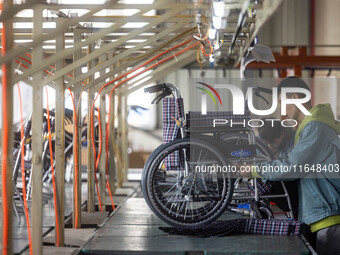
182	195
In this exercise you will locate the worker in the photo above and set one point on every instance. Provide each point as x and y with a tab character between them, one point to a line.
280	140
316	145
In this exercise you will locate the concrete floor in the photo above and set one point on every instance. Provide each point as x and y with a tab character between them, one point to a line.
20	240
74	238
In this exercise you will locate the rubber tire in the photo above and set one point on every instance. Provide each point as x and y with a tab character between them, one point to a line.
146	181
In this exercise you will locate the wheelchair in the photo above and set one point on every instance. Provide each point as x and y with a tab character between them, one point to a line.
189	179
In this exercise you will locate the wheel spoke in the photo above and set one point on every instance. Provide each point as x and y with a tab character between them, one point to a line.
186	198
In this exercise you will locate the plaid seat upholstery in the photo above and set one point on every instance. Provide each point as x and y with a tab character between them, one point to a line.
196	119
172	108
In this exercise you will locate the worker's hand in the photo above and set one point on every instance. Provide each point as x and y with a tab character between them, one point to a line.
68	125
245	170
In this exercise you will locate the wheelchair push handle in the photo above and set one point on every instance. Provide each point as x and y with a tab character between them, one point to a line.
257	91
166	89
264	90
156	88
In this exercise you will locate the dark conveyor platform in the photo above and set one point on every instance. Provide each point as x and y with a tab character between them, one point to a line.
133	229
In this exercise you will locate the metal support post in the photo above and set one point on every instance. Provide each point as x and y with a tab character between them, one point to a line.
77	188
101	167
77	126
125	135
60	143
102	159
112	163
120	164
8	25
37	139
90	156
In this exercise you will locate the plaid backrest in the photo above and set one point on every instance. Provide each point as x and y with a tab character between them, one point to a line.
170	127
172	108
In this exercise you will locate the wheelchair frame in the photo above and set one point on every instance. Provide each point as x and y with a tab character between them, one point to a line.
258	209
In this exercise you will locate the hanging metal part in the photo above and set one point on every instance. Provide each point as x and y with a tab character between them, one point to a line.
257	53
240	23
198	20
233	34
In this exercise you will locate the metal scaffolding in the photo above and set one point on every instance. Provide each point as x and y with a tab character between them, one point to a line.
77	42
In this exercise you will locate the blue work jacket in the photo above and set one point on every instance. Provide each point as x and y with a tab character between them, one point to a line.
315	161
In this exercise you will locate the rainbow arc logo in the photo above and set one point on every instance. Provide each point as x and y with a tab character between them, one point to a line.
209	93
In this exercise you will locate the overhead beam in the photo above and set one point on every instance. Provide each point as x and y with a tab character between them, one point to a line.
304	61
173	65
116	6
41	37
68	35
116	36
17	8
113	45
114	19
97	85
120	57
98	35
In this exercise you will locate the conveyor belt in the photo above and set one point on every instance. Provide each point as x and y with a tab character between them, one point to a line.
133	229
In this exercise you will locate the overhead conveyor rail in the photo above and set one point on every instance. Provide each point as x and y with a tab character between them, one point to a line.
92	48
